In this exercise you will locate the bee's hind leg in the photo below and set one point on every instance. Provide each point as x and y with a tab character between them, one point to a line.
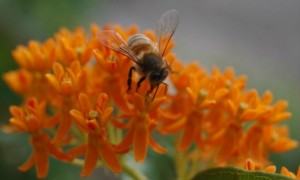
129	78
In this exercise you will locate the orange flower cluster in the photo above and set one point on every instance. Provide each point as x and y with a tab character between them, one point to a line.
83	86
227	123
251	166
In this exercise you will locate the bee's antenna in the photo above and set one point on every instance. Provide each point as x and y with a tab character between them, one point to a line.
169	66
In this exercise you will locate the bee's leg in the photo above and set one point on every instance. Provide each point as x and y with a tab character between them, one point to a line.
152	87
150	90
166	89
155	92
129	78
139	83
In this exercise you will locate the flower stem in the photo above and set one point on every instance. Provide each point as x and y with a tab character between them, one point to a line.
181	165
133	173
80	162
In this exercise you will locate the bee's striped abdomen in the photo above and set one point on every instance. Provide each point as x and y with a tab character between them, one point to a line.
140	43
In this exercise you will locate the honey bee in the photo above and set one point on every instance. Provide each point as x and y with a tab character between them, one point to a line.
148	56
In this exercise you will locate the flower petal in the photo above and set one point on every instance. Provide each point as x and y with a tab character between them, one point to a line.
106	116
28	164
58	153
189	134
84	103
78	151
64	126
91	157
53	81
108	155
41	157
126	142
140	141
156	147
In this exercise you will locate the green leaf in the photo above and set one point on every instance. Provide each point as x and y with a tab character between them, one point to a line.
232	173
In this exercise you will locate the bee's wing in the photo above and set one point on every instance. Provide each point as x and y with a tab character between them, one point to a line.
165	29
114	41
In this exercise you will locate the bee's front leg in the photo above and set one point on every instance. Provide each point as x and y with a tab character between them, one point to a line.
150	91
139	83
129	78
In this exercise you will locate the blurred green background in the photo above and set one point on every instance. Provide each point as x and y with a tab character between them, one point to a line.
258	38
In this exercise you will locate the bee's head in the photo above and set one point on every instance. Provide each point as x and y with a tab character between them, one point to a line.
156	77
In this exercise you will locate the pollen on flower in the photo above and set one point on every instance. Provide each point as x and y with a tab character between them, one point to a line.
75	94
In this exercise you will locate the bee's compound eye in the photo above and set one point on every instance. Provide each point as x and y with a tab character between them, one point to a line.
155	76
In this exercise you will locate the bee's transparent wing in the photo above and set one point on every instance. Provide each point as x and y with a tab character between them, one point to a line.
114	41
165	29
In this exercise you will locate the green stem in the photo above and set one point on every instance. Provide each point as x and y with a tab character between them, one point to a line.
181	165
80	162
133	173
194	166
111	132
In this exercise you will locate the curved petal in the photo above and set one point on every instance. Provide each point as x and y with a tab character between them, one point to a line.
58	153
84	102
41	158
28	164
102	101
106	116
156	147
51	122
78	119
16	112
108	155
140	141
91	158
64	127
173	127
78	151
192	95
189	134
19	124
53	81
126	142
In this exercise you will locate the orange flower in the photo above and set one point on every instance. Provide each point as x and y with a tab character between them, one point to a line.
73	46
36	57
93	121
32	120
69	81
212	115
19	81
142	121
29	84
213	112
251	166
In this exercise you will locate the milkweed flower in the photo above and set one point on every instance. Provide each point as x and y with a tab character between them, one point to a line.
213	118
67	83
31	119
251	166
226	122
93	121
142	120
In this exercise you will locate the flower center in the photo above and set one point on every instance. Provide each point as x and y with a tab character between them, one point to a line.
92	115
